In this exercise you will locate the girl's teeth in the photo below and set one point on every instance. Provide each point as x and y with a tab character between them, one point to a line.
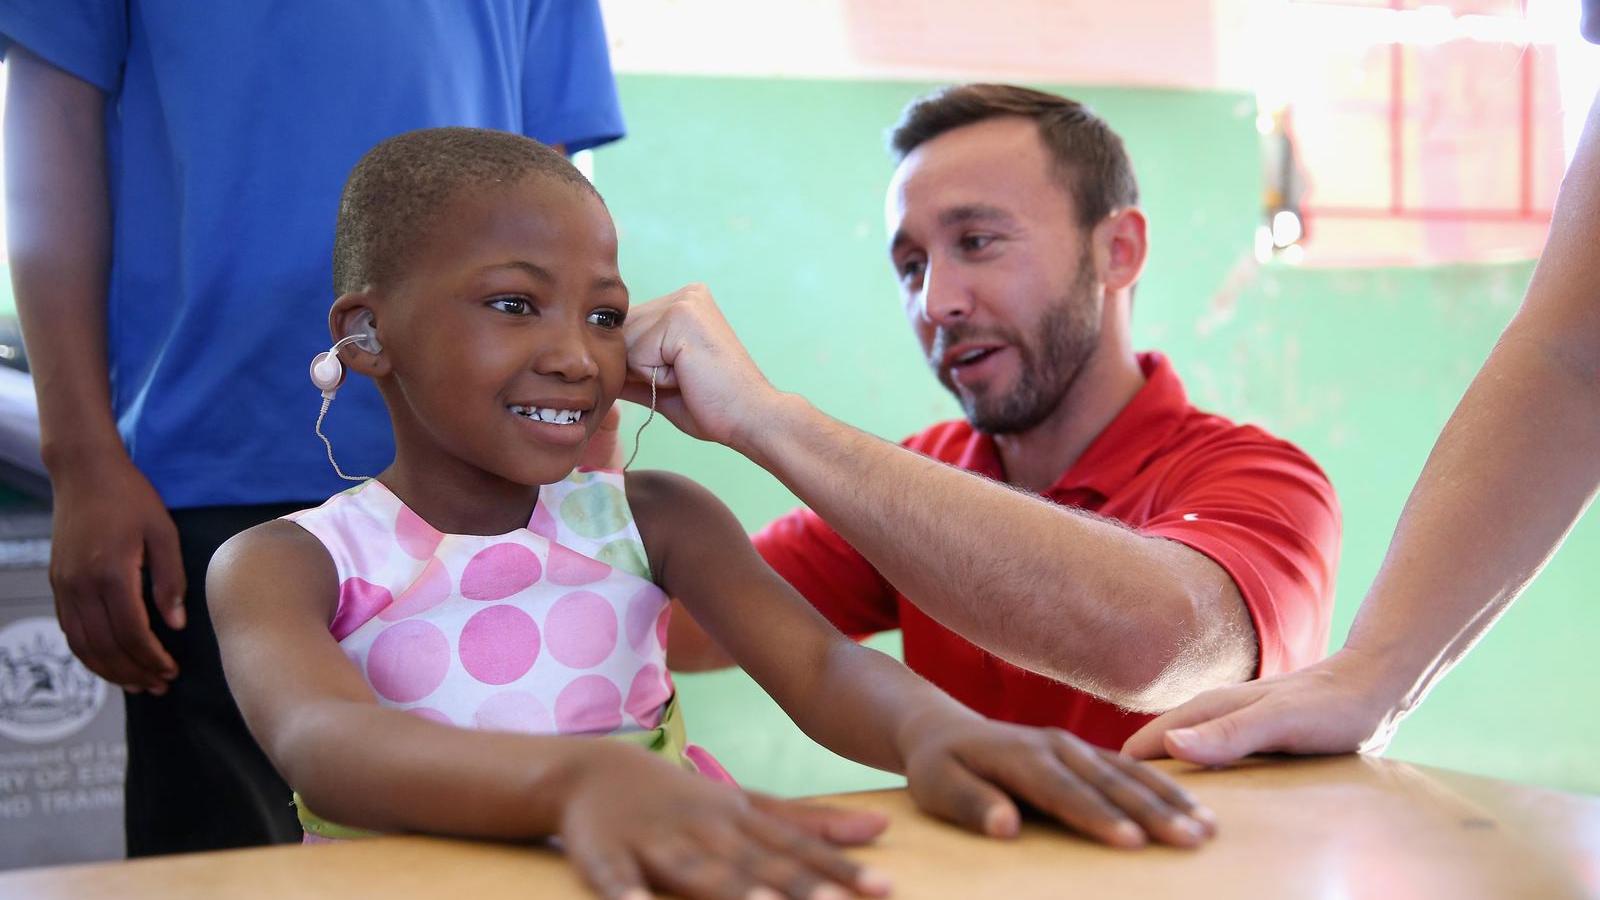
553	416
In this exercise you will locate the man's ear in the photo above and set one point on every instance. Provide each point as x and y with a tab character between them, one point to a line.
356	313
1123	247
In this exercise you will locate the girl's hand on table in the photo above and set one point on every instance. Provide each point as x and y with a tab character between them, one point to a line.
972	771
633	822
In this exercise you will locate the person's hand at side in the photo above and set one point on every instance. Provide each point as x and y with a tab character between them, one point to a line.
109	524
1338	705
973	772
632	822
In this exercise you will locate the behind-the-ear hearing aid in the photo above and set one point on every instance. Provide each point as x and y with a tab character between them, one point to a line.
327	373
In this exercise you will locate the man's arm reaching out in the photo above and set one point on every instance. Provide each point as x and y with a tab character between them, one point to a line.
1142	621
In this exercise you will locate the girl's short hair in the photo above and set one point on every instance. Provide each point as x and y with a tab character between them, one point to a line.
399	186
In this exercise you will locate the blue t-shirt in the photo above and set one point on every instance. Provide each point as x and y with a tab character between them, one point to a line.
230	130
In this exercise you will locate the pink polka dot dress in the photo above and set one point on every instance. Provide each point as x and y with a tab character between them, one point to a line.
550	629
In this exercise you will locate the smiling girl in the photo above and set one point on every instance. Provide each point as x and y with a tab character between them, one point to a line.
435	649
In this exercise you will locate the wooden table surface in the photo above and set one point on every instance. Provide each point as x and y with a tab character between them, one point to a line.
1340	827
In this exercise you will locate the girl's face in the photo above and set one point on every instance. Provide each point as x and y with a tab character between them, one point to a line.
503	333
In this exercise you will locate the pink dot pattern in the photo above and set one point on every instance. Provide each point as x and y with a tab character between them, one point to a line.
430	589
543	523
582	628
416	537
571	568
408	660
588	705
498	571
499	644
514	711
431	714
359	600
663	621
526	632
647	694
643	608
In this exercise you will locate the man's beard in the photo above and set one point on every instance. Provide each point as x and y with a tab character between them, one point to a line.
1065	337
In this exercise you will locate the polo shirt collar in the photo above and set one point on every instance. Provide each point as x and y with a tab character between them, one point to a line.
1121	449
1136	434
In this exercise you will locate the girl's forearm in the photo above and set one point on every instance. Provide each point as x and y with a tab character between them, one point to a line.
864	705
364	766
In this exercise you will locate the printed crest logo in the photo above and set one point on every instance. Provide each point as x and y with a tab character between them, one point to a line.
45	693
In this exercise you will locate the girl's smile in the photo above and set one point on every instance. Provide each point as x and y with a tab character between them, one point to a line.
503	349
554	421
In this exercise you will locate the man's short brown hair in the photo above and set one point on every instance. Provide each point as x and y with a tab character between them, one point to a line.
1089	157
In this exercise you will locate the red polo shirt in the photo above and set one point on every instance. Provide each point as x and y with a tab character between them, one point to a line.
1254	504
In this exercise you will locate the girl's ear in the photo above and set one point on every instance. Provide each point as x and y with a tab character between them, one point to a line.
355	315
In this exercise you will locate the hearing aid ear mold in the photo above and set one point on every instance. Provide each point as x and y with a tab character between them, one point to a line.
327	373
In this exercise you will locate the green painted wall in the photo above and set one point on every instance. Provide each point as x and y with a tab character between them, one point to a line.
771	192
1362	368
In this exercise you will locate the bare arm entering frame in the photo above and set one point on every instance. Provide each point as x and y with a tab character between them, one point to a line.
1516	465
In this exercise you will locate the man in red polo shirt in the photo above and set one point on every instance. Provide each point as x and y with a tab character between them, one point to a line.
1086	548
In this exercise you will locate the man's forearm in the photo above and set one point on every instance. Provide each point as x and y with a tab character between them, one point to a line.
59	243
1063	593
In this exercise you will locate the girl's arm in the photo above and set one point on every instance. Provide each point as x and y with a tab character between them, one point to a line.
271	591
870	708
626	817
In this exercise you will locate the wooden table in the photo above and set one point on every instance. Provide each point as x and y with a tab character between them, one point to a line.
1342	827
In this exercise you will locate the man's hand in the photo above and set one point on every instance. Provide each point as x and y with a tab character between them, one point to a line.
1334	706
637	821
705	381
110	523
967	770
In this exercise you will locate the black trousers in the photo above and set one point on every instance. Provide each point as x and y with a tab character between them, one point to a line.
196	779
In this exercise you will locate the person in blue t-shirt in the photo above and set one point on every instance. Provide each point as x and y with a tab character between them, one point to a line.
173	173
